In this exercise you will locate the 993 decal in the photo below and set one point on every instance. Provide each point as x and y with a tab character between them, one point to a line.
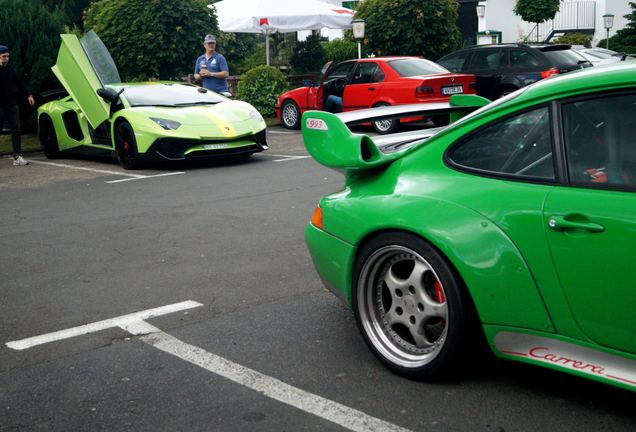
318	124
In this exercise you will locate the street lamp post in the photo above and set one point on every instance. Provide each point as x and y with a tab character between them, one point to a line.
608	21
481	22
358	33
481	10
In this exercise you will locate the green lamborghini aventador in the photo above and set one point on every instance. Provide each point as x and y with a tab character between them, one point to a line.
140	121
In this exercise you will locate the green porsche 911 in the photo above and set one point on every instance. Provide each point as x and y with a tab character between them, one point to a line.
140	121
514	227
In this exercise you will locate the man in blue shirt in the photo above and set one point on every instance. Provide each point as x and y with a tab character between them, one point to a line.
211	67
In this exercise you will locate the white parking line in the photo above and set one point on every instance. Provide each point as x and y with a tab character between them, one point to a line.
134	323
147	177
282	132
334	412
285	158
130	176
86	168
120	321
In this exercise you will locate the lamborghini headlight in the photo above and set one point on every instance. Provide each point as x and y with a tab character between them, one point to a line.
166	124
255	115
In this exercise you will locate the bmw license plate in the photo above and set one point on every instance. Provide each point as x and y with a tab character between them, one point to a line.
214	146
451	90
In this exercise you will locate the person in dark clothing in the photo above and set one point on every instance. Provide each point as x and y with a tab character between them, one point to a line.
11	89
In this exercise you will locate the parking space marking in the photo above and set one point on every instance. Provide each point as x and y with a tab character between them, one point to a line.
120	322
130	176
285	158
275	132
101	171
273	388
147	177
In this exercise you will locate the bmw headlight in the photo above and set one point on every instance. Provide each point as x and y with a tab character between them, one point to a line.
255	115
166	124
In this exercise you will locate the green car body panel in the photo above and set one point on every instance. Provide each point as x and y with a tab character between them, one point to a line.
529	284
223	127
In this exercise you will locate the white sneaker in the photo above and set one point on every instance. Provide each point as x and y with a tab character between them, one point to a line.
20	161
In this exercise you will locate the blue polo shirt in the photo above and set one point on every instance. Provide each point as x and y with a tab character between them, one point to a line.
216	63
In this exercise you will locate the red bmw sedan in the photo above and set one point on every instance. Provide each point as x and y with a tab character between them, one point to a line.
372	82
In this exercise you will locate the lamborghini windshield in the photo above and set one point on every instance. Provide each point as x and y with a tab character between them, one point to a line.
169	94
100	59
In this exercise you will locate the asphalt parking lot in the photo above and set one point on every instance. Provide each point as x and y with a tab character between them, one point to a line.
182	297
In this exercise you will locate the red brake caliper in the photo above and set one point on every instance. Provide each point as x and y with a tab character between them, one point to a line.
439	294
126	146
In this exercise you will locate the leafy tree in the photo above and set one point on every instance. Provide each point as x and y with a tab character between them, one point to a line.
410	27
152	38
309	56
261	87
537	11
237	48
625	39
73	11
339	50
32	33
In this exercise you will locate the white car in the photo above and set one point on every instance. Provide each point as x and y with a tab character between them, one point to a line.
599	56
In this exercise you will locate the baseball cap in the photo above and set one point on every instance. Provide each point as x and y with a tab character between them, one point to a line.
209	39
3	49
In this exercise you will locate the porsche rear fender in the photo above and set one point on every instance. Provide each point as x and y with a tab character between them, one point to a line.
493	275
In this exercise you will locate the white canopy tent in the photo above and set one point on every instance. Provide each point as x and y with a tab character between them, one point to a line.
284	16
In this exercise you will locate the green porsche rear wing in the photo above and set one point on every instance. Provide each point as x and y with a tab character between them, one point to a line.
331	143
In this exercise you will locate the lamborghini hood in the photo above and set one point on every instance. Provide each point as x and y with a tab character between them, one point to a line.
232	112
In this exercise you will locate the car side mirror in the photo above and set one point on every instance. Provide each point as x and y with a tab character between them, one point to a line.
109	95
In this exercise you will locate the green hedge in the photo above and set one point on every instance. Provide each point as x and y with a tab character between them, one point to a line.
261	87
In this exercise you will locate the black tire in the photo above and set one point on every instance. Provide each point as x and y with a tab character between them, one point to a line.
507	91
126	146
48	138
422	325
441	120
290	115
384	127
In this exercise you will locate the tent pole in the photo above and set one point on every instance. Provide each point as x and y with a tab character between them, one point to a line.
267	47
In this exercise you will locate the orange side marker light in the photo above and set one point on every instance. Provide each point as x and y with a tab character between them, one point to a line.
316	218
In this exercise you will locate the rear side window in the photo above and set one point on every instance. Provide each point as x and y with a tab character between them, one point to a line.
455	62
489	59
414	67
565	59
519	146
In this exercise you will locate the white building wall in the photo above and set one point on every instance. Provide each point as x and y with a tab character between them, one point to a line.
501	17
619	8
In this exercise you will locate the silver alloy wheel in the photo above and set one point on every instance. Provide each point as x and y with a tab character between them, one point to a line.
290	115
383	125
402	306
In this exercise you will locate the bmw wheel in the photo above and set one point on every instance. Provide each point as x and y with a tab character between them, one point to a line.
386	126
290	115
126	146
410	307
48	138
